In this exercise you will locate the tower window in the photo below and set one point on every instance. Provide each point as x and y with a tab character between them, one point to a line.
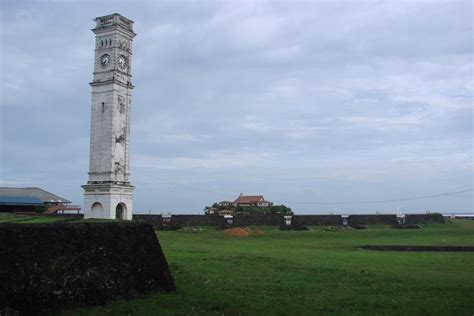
103	107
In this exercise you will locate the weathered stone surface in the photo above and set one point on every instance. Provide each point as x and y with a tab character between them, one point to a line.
45	267
154	219
298	220
381	219
317	220
258	220
108	192
431	218
197	220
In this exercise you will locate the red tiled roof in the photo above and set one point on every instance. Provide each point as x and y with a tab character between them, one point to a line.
249	199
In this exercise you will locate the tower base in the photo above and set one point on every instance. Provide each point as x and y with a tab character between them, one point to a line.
108	200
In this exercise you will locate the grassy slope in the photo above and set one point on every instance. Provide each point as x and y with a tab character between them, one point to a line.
30	219
41	219
312	272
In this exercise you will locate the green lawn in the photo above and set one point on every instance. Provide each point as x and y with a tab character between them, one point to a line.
311	272
30	219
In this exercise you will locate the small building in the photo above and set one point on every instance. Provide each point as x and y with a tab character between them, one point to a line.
225	212
32	199
210	210
224	203
252	200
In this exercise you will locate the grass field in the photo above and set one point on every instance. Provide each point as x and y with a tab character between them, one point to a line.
307	273
311	272
30	219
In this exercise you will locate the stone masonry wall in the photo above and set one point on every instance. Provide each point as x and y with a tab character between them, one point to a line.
381	219
44	267
316	220
432	218
299	220
258	220
197	220
155	220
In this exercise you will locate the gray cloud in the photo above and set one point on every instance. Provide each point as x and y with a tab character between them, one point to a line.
297	101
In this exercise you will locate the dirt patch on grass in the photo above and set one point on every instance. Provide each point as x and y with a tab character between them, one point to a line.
421	248
242	232
236	232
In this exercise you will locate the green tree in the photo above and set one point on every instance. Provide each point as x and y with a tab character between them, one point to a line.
281	210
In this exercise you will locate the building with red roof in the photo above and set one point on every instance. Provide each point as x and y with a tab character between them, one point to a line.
252	200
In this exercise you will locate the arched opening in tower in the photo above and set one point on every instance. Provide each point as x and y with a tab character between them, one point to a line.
120	211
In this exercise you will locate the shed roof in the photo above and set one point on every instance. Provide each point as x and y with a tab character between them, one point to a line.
34	192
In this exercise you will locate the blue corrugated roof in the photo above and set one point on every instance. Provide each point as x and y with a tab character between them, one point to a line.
20	200
43	195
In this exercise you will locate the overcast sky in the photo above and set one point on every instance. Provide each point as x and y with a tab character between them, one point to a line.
298	101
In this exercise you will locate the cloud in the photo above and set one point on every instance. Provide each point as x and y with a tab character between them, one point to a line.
297	101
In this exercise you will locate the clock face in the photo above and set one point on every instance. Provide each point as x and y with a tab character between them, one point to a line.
122	62
104	60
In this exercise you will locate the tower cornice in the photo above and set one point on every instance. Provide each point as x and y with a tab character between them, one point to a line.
128	85
114	22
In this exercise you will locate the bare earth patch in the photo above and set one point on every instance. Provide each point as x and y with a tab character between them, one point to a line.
243	232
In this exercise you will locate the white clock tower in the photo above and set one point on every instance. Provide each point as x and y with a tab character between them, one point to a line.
108	193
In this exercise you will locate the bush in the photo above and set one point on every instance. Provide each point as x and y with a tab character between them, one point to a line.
275	210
